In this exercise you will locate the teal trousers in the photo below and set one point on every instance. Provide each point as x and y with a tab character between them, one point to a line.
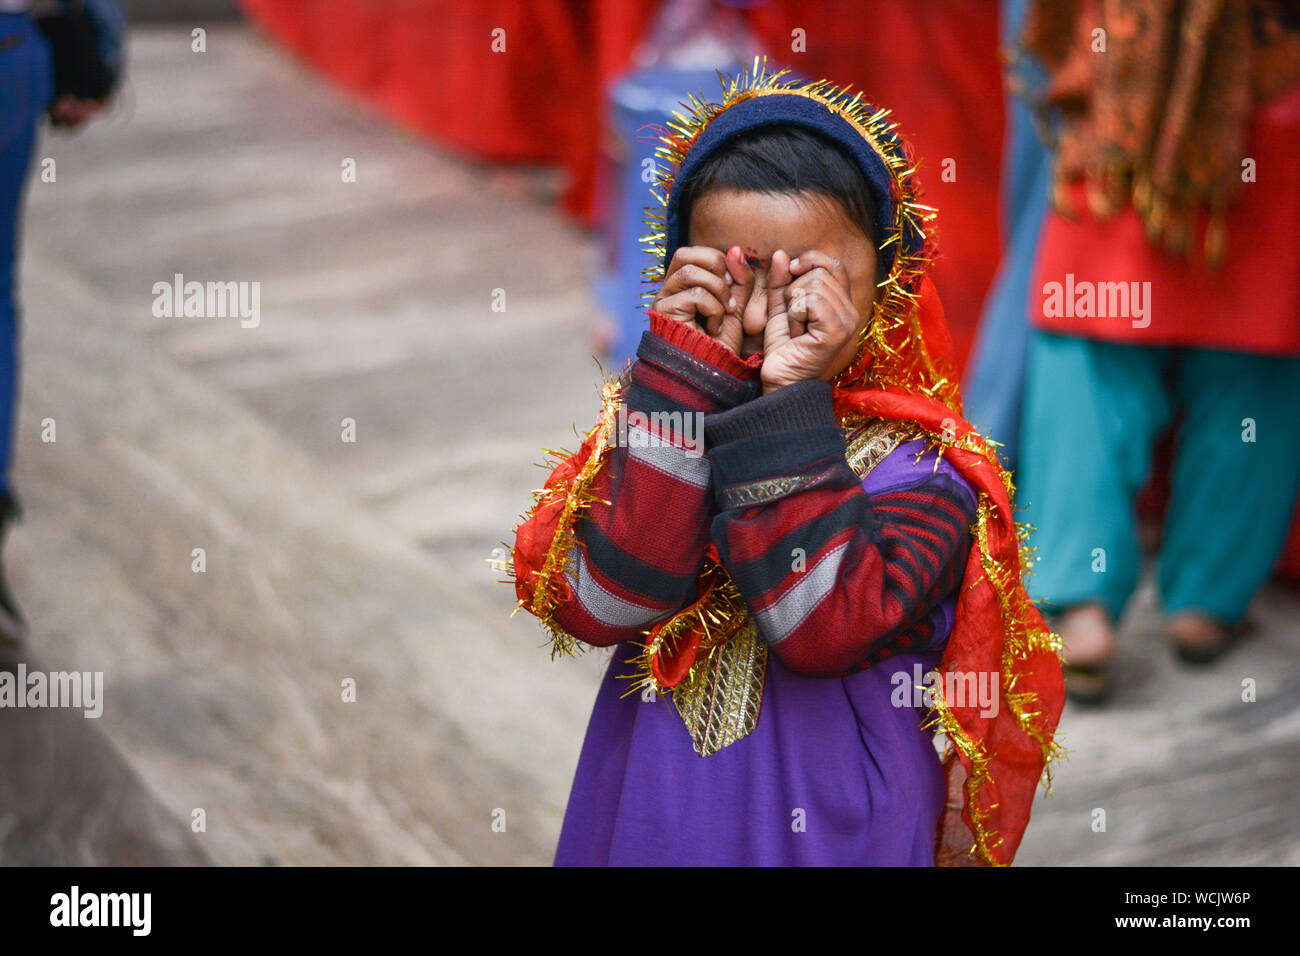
1092	412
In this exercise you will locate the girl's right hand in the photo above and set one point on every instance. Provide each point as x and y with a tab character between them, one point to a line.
699	289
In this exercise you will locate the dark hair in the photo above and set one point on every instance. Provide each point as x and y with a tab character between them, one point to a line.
786	159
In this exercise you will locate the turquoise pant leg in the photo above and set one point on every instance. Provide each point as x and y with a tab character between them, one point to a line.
1092	412
1232	497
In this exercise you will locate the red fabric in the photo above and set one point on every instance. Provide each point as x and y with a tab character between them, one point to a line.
937	67
1250	304
1015	758
429	65
686	336
1289	565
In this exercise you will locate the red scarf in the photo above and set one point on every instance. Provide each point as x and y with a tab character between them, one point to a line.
1003	757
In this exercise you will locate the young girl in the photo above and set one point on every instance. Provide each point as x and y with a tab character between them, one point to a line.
834	563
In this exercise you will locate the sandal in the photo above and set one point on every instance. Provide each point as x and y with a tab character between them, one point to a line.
1090	685
1200	638
1089	679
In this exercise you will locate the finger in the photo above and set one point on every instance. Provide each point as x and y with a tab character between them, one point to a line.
729	331
776	332
742	278
693	304
707	258
778	280
691	275
820	307
798	294
815	259
779	275
753	317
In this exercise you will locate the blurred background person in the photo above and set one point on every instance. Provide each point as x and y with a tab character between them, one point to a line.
1173	250
68	61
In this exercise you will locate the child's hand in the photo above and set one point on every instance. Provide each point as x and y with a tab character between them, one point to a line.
811	319
699	289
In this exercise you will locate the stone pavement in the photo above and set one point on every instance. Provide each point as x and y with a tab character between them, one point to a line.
328	560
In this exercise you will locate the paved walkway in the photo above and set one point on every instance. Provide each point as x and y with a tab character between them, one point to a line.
329	560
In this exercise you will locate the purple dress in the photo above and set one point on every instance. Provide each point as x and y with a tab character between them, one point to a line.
833	774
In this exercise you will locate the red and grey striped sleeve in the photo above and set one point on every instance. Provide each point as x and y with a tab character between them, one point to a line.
637	557
835	579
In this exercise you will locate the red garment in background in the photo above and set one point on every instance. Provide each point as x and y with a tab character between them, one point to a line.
429	65
1250	304
936	66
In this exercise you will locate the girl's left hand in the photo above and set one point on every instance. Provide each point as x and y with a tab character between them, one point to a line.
811	319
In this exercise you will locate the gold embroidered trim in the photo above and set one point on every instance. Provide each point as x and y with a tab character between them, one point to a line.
871	442
761	492
724	707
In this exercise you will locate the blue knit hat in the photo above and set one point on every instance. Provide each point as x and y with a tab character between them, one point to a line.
758	100
892	349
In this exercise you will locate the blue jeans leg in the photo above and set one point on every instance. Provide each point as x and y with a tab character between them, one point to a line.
25	90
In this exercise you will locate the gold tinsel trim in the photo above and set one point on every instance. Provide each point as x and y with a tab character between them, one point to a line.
577	497
977	776
718	615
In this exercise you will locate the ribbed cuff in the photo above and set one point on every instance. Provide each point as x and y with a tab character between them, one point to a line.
686	336
783	443
692	363
799	406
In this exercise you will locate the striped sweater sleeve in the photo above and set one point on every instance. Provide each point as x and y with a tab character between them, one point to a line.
639	546
836	580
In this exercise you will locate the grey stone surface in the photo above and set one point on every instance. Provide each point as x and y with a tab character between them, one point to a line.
329	560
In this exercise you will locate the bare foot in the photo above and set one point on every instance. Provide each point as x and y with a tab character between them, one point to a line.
1088	635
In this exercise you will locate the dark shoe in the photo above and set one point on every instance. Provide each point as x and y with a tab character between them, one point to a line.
1089	686
1199	638
1088	650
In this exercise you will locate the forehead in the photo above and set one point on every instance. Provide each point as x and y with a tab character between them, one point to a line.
765	222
